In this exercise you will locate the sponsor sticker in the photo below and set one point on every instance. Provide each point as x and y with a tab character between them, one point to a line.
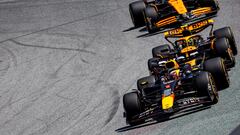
190	100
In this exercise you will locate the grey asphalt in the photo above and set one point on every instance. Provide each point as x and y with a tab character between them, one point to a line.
65	65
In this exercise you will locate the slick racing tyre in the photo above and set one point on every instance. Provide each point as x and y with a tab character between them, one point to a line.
146	85
136	12
217	68
146	82
209	3
132	106
151	16
206	86
223	50
153	64
227	33
162	51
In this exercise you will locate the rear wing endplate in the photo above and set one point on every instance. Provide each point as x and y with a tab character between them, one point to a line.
192	28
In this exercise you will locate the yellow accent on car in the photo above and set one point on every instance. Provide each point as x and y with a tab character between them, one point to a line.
212	43
210	21
167	102
166	21
186	38
190	27
188	49
192	62
177	72
176	66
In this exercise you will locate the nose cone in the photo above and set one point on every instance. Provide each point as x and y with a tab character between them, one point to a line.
178	6
167	102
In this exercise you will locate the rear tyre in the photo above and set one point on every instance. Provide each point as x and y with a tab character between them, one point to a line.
146	82
151	16
161	51
209	3
221	47
206	87
217	68
136	12
152	64
227	32
132	106
223	50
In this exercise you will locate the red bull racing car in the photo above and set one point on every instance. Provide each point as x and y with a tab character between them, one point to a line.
175	89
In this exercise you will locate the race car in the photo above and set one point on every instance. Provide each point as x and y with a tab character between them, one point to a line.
195	62
177	88
194	50
219	43
161	14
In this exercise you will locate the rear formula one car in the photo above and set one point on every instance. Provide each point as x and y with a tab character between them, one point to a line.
192	49
176	88
161	14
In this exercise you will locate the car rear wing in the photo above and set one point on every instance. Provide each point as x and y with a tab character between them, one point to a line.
189	29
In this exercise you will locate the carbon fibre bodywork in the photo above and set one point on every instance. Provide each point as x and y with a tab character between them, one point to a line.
167	98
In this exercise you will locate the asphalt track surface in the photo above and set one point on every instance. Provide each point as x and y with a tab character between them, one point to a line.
65	65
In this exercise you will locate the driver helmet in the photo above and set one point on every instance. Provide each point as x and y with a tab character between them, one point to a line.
187	69
190	42
181	44
174	75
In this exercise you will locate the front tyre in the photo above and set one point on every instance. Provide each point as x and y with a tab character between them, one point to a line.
146	82
222	48
133	107
161	51
206	86
209	3
151	16
136	12
153	64
217	68
227	33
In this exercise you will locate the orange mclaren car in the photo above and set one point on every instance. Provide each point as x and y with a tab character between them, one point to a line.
162	14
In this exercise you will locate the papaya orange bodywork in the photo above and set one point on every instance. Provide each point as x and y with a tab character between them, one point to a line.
192	27
192	62
166	21
178	6
201	11
189	49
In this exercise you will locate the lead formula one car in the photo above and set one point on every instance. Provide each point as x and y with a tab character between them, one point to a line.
177	88
161	14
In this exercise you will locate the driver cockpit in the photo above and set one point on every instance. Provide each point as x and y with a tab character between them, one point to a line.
188	41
